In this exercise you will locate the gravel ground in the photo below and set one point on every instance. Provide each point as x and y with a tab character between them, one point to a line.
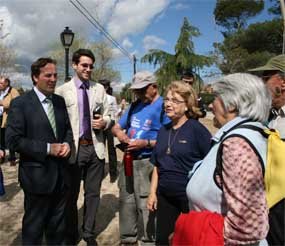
107	227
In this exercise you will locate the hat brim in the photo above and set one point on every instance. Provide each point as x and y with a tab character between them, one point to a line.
140	85
265	68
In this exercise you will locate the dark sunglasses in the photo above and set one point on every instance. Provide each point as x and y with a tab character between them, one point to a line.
85	65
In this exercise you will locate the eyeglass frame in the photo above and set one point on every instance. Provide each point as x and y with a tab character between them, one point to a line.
173	101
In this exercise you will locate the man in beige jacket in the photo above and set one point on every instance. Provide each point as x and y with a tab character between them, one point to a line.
87	107
9	93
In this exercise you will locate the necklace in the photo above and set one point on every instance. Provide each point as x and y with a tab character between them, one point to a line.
170	143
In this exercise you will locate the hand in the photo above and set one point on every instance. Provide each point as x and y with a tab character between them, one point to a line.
137	144
152	202
2	153
65	150
170	238
98	123
55	149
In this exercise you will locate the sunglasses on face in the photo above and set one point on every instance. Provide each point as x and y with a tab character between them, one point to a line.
85	65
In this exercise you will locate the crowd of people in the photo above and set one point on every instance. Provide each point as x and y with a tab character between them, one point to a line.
185	187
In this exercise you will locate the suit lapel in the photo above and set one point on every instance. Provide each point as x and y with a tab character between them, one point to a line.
39	110
92	95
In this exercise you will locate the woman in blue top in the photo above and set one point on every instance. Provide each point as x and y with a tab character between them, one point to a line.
179	145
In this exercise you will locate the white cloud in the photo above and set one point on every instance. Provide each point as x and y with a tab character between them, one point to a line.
181	6
36	25
152	42
131	17
127	43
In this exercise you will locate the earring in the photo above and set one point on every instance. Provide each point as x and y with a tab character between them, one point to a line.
186	109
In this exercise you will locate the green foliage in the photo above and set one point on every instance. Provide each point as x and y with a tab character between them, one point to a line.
126	93
275	9
207	98
233	15
249	47
172	65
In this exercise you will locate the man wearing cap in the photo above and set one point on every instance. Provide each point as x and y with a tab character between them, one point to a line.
141	123
273	75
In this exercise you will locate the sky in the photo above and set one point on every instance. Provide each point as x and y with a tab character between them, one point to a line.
137	25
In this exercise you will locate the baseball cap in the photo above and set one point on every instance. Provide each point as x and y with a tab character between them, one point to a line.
143	79
275	63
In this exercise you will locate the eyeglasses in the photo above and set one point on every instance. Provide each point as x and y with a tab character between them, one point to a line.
174	101
85	65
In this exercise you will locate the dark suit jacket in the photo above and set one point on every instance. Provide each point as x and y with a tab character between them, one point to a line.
28	132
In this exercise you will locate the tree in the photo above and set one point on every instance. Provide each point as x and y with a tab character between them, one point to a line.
126	93
245	48
233	15
7	55
172	65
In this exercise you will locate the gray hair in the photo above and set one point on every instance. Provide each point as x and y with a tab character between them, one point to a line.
246	93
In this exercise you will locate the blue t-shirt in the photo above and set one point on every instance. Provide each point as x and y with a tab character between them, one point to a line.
145	121
188	144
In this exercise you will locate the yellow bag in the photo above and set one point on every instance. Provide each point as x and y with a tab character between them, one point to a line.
275	168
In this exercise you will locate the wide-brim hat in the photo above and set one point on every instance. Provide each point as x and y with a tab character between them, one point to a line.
276	63
142	79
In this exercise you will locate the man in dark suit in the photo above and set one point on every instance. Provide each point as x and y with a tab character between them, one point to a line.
39	129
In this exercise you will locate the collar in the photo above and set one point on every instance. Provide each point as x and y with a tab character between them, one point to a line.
42	97
220	133
79	83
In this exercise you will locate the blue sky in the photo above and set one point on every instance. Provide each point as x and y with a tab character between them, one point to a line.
200	14
136	24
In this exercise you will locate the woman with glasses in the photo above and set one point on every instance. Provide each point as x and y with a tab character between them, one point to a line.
179	145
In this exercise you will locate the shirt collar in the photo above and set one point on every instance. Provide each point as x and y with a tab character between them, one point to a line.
220	133
40	95
78	83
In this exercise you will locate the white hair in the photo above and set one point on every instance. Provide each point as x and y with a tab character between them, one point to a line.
246	93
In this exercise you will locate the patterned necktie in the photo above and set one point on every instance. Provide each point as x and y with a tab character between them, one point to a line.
50	115
86	113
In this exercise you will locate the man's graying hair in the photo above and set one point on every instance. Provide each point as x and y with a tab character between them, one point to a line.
246	93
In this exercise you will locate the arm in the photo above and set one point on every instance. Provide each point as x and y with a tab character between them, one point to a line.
68	141
152	198
120	134
246	220
16	138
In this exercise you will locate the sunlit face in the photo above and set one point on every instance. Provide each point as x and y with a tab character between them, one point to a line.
174	105
221	115
84	68
276	85
46	81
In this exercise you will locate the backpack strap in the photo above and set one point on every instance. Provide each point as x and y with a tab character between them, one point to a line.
218	177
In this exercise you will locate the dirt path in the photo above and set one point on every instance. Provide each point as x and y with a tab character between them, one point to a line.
107	228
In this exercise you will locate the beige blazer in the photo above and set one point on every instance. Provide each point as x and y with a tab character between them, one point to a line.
6	104
97	95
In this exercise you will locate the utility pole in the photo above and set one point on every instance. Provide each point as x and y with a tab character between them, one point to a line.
135	64
282	6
